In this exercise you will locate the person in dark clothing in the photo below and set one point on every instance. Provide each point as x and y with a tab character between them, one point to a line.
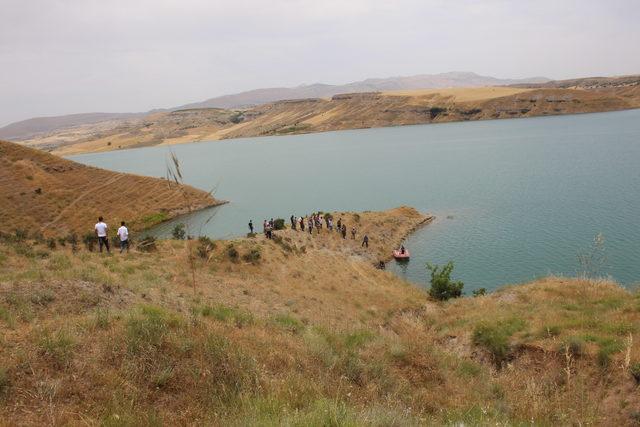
365	241
344	231
339	229
251	226
293	222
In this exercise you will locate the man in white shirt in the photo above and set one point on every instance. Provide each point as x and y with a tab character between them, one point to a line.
101	231
123	234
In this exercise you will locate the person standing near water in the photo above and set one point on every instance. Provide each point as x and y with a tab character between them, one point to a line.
251	226
101	231
123	234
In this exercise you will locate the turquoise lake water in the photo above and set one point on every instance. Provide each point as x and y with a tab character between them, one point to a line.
514	199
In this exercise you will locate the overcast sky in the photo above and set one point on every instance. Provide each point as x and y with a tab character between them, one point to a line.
69	56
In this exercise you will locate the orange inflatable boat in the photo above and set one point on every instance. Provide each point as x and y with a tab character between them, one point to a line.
397	254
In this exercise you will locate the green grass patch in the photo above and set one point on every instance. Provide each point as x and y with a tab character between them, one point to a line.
224	313
58	347
149	328
155	218
495	337
289	323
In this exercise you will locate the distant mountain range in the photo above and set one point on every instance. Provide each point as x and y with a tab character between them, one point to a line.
318	90
39	125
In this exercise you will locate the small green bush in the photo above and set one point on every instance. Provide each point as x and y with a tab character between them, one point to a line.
232	253
278	224
51	243
179	232
496	337
89	241
479	292
21	235
253	256
442	288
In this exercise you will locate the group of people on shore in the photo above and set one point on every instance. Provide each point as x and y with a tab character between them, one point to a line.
315	221
102	233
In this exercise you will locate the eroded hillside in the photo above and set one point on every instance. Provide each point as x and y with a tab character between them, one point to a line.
42	193
348	111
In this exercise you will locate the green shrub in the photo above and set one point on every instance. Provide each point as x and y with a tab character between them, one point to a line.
21	235
232	253
51	243
278	224
495	337
236	118
436	111
253	256
479	292
442	288
179	232
607	348
89	241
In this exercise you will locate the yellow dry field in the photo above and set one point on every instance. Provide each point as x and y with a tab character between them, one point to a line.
466	94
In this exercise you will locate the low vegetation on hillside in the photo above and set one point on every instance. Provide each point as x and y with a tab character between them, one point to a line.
301	330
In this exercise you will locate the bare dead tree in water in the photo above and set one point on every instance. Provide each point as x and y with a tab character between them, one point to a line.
175	180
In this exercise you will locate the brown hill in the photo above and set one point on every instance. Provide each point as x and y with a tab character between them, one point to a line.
345	111
44	193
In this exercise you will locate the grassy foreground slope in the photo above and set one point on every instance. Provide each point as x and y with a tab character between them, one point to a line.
47	194
301	330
